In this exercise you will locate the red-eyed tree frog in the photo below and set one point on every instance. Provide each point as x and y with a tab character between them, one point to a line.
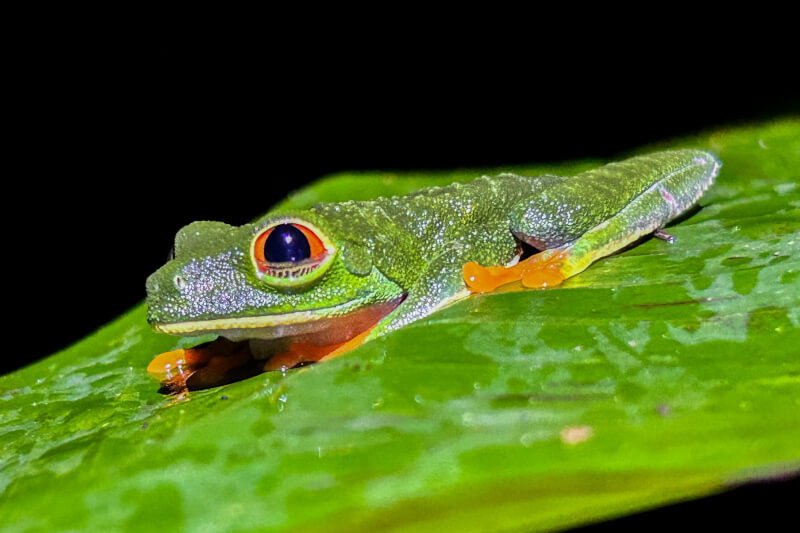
299	286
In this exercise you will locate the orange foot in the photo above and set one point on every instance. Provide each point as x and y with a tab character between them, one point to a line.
536	272
304	352
200	367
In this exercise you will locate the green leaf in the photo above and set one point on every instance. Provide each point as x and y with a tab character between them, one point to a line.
662	373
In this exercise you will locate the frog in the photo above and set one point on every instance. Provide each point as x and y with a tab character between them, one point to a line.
296	287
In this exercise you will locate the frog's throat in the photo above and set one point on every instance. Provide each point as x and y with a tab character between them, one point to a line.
284	324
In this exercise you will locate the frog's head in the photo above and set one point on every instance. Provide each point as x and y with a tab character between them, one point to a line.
285	275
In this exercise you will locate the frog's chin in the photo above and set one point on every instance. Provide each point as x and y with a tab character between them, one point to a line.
319	326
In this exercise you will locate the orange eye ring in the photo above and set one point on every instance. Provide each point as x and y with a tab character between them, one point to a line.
290	252
316	247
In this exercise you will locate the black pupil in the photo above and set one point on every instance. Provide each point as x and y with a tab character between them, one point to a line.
286	244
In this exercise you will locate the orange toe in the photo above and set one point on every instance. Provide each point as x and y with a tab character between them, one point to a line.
486	279
538	271
177	362
199	367
544	272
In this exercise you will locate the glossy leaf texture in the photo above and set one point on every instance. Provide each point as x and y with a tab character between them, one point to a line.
665	372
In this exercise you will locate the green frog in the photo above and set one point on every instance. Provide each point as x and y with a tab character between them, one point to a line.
296	287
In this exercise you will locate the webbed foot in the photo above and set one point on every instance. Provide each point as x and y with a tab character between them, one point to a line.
208	365
536	272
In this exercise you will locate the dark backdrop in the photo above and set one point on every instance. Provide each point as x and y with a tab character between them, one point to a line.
116	146
121	145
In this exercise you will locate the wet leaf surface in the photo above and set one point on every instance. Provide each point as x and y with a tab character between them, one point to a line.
662	373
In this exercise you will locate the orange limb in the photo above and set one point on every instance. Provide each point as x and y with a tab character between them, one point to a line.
205	365
216	371
536	272
304	352
182	362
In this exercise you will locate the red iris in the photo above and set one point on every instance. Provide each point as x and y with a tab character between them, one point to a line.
288	242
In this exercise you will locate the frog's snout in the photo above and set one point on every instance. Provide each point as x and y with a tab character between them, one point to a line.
154	289
164	295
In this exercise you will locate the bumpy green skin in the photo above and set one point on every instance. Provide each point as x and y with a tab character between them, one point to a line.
416	245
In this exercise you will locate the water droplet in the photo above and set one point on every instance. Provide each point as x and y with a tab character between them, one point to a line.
281	402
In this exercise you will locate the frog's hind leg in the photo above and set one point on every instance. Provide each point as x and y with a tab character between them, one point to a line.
538	271
551	267
664	199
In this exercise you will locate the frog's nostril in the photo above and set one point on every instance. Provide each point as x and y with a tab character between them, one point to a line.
179	282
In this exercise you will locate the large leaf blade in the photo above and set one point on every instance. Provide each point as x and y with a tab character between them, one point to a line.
661	373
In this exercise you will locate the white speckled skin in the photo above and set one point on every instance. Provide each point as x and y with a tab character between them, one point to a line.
416	245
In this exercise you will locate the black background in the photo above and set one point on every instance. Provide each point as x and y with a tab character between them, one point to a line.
118	143
121	145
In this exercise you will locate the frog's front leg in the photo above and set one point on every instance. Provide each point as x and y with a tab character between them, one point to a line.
441	283
580	219
438	285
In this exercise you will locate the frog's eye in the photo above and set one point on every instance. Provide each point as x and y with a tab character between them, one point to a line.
291	253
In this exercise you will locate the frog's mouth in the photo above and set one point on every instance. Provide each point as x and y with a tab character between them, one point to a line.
320	326
250	345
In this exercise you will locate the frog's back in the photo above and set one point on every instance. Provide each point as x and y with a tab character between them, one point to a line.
483	200
403	233
483	196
